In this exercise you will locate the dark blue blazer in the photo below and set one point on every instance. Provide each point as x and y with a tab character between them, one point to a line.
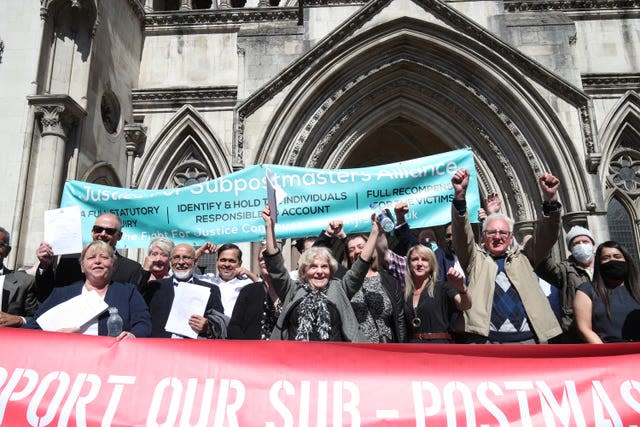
124	296
159	295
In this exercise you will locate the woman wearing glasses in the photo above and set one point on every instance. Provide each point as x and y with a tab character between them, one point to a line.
430	303
97	262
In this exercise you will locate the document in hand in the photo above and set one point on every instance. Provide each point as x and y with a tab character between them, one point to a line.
188	299
73	313
63	230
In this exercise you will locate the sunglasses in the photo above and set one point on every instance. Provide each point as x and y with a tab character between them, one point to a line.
110	231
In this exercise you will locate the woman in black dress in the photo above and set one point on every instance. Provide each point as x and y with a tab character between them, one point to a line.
430	304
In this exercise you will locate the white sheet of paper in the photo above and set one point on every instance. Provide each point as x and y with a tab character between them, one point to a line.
63	230
73	313
188	299
271	196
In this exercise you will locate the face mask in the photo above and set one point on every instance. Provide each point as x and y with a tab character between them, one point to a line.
614	270
582	252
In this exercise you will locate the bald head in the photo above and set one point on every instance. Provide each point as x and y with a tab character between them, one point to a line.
107	228
183	261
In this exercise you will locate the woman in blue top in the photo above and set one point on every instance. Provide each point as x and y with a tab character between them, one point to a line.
608	309
98	263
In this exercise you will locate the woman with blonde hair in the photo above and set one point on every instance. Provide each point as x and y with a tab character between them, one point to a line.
98	263
430	304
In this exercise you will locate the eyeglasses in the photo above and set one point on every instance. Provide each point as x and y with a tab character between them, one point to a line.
179	258
494	233
110	231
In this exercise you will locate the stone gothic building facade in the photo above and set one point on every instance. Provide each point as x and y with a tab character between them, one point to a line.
166	93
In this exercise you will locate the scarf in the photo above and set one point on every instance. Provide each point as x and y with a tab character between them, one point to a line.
313	314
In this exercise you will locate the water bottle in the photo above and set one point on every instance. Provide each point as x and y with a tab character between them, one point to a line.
114	322
383	217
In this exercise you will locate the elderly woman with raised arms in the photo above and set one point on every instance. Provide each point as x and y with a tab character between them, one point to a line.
317	306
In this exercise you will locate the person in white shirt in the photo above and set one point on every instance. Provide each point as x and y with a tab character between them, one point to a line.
231	275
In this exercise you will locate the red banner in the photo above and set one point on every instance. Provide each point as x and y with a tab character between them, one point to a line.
67	379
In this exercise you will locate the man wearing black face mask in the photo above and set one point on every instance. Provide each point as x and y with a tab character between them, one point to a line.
567	275
608	309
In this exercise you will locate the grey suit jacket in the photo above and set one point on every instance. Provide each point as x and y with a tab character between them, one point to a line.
19	294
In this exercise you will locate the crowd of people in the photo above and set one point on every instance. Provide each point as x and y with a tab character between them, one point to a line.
479	285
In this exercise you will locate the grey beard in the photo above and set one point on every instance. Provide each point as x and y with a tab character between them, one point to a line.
182	275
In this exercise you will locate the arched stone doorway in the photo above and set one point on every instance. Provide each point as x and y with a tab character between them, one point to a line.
394	141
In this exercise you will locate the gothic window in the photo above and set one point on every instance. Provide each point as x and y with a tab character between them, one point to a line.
189	174
190	169
624	177
619	225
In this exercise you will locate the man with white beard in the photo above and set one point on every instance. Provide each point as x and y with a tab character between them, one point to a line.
159	296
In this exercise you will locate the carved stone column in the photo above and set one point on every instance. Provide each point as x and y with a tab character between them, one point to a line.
523	228
135	135
264	3
575	218
186	5
58	116
224	4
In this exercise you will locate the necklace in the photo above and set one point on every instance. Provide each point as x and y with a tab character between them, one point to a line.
416	322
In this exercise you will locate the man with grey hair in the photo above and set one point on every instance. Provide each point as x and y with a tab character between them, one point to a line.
567	275
159	295
508	305
19	300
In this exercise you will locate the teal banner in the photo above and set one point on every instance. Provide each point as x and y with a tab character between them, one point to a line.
227	209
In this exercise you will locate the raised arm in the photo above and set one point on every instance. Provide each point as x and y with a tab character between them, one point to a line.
274	261
463	237
403	233
548	225
463	298
269	229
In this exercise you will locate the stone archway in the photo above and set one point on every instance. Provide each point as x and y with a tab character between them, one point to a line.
455	88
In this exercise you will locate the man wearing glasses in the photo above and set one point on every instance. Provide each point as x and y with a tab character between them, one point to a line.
159	295
508	305
107	228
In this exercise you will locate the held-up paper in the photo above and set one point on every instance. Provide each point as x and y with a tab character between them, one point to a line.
73	313
275	194
188	299
63	230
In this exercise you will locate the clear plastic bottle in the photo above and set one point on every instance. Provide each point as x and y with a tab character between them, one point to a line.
114	322
383	218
